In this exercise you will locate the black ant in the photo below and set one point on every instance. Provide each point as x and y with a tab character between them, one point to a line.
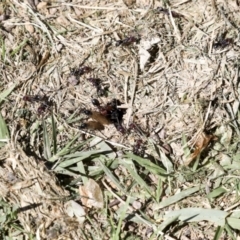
127	41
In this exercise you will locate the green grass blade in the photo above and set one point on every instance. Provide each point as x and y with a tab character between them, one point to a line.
3	49
167	222
177	197
66	150
166	162
217	192
4	134
199	214
234	223
131	169
159	190
19	47
230	232
153	168
218	233
122	216
6	92
111	176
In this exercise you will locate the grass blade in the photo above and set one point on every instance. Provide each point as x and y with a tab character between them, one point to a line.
6	92
46	142
199	214
54	135
4	134
177	197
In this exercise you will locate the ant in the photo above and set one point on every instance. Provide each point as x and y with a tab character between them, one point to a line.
45	102
127	41
80	71
96	82
34	98
42	109
106	115
166	11
139	148
222	43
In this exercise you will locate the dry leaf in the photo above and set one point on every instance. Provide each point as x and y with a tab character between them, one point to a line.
145	45
44	59
74	209
91	194
201	144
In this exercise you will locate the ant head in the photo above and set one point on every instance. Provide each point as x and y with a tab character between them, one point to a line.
83	125
95	102
26	98
87	112
120	128
86	69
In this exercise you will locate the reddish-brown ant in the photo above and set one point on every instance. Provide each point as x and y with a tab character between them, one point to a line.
127	41
45	102
222	43
42	109
167	12
96	82
34	98
139	148
80	71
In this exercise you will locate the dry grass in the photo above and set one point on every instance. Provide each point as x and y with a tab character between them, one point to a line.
184	97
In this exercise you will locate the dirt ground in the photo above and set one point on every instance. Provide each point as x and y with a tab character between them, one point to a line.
170	168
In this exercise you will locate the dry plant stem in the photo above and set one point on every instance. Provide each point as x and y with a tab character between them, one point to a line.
232	116
41	24
232	207
126	87
150	5
43	60
176	30
226	19
129	113
207	114
235	81
203	126
84	25
102	8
